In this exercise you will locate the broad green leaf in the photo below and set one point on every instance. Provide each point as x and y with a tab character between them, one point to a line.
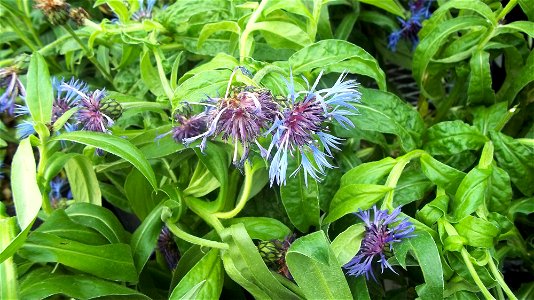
8	269
55	164
528	7
327	54
479	90
516	83
115	145
118	8
100	219
82	180
58	223
524	206
245	266
430	44
412	186
216	160
389	6
39	95
475	6
434	210
314	267
202	182
262	228
441	174
288	35
371	172
26	194
211	28
112	261
478	232
353	197
300	200
500	191
452	137
77	286
471	192
211	83
150	75
346	25
145	237
522	26
490	118
208	270
426	252
516	159
220	61
385	112
347	244
139	194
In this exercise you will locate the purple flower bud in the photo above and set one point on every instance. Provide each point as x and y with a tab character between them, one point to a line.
168	248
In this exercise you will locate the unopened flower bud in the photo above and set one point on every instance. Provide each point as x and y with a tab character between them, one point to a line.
56	11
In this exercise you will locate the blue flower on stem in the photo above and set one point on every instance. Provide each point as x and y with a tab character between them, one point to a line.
58	188
66	98
187	124
380	234
301	127
240	116
419	11
144	12
9	80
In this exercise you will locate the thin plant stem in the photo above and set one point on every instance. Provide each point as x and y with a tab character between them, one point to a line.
243	49
194	239
161	72
500	279
474	275
245	194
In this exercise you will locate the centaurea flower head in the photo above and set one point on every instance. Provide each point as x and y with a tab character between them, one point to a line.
381	231
59	191
144	12
187	124
240	117
9	80
66	98
56	11
419	11
301	127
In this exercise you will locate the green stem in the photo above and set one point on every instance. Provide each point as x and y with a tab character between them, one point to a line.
89	54
243	47
245	195
395	174
162	76
474	275
43	156
499	278
506	9
59	40
21	35
194	239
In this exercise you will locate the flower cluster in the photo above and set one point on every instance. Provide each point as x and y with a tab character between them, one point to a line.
380	234
419	11
296	125
9	80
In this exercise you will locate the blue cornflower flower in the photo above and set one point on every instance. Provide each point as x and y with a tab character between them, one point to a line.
58	188
380	234
240	116
66	98
301	127
419	11
144	12
187	124
25	129
9	80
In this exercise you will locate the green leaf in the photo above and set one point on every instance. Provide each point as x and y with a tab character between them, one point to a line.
452	137
434	210
262	228
430	44
150	75
211	28
516	83
216	159
521	26
301	201
55	164
145	237
479	90
196	88
139	194
77	286
528	7
287	34
500	191
209	271
490	118
426	252
26	194
471	192
337	56
385	112
441	174
118	8
100	219
59	224
371	172
245	266
8	269
39	95
412	186
115	145
82	180
389	6
524	206
478	232
347	244
112	261
352	197
516	159
527	289
314	267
